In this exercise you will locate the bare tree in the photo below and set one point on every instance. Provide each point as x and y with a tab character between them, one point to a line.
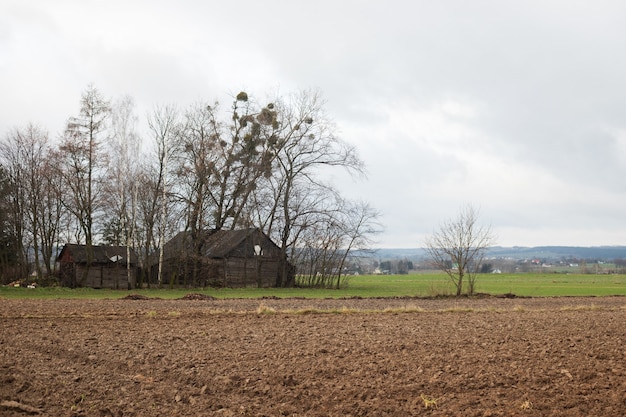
217	165
220	162
122	185
315	241
359	224
304	143
458	248
84	163
246	153
51	214
14	154
260	165
197	141
155	203
25	155
330	237
149	199
10	246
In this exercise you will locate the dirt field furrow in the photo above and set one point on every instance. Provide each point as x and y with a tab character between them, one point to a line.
383	357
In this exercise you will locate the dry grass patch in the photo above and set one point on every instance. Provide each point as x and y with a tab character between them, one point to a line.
526	405
457	310
265	309
591	307
411	308
429	402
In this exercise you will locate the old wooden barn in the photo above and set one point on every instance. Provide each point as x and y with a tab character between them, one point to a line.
107	269
223	258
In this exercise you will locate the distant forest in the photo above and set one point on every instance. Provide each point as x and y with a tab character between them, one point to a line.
575	259
603	253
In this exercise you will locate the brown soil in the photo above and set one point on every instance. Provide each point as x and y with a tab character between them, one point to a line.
381	357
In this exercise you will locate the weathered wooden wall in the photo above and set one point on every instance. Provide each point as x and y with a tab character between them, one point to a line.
248	272
112	276
230	272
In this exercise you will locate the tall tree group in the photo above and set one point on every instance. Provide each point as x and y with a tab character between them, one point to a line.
194	169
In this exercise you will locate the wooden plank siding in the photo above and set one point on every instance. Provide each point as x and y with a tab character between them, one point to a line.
226	272
223	258
107	268
105	276
246	272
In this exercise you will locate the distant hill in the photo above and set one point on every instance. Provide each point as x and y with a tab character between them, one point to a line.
558	252
516	252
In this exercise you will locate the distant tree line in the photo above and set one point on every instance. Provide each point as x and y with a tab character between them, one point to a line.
396	266
195	168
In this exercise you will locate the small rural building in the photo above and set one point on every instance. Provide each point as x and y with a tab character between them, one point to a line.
108	267
223	258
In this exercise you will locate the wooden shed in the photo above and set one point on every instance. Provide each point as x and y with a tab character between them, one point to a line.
108	267
222	258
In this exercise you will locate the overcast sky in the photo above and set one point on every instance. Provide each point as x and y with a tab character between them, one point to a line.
515	107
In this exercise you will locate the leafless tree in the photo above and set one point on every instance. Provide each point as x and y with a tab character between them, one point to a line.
246	154
304	143
197	140
12	153
253	165
458	248
10	268
84	163
51	215
155	198
149	195
259	166
25	155
122	185
360	222
220	162
314	243
330	238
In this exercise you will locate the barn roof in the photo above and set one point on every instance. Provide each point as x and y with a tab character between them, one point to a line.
215	243
221	242
101	254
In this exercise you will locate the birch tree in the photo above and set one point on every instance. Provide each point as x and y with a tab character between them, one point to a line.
163	123
122	183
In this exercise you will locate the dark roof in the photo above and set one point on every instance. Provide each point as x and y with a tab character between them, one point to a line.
215	243
101	254
221	242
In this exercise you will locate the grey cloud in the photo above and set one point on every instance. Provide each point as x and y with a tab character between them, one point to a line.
543	78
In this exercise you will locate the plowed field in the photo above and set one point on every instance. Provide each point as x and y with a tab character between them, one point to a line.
356	357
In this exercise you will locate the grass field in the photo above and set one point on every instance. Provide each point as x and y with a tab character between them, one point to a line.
421	285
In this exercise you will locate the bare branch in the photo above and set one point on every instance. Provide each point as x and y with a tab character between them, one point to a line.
458	246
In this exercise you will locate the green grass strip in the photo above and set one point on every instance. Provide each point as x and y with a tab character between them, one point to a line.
366	286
